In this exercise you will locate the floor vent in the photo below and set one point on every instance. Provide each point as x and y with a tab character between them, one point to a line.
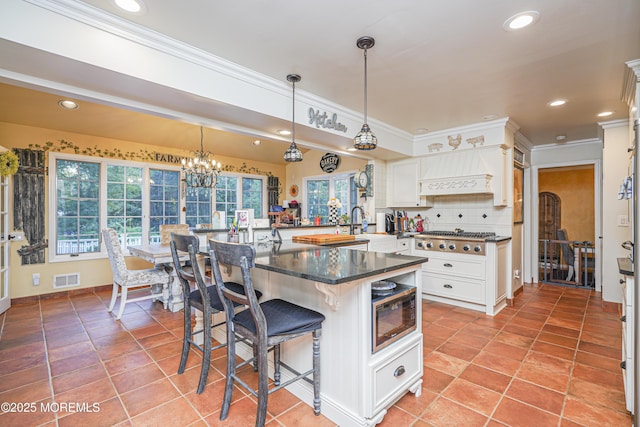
66	280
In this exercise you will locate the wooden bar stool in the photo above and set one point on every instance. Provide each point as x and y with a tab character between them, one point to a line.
201	295
265	326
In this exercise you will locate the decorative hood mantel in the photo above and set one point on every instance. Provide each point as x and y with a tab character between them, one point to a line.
470	171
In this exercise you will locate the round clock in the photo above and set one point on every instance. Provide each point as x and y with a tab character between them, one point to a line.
361	179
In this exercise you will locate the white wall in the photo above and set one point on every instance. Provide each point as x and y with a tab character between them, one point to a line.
616	166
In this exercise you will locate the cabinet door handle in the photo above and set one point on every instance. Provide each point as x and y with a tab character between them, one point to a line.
623	364
448	286
399	371
623	319
622	281
448	265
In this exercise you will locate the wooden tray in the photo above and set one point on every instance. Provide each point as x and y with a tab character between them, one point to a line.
323	238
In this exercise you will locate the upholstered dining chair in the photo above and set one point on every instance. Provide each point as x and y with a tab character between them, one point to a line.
266	326
167	229
126	280
199	294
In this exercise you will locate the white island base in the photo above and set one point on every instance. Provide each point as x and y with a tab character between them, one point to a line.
357	386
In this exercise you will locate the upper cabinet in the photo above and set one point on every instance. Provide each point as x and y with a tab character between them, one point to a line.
403	188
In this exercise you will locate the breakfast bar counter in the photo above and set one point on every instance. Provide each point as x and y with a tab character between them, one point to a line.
359	381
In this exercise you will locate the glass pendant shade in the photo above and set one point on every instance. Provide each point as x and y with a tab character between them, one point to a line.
293	153
365	139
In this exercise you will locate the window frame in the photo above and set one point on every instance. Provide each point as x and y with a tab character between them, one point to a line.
349	175
103	163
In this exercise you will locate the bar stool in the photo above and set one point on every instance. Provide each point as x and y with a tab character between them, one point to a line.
265	326
204	298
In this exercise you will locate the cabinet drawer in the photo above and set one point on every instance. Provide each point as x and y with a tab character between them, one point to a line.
454	287
403	245
396	373
452	266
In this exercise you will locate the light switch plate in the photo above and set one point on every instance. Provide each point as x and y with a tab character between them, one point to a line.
623	220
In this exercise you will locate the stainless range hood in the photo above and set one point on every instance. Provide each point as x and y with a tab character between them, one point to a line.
456	172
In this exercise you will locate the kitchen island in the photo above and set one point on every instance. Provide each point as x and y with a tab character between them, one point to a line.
357	384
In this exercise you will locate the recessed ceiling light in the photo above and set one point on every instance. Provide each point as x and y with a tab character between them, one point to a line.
257	142
557	102
420	131
132	6
521	20
284	132
490	117
351	149
67	104
605	114
561	137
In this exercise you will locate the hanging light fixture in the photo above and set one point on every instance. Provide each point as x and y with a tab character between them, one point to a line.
293	153
365	139
200	171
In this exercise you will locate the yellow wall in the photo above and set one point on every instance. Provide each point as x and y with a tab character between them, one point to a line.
94	272
575	188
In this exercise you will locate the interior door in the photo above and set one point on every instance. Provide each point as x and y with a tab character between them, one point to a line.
5	297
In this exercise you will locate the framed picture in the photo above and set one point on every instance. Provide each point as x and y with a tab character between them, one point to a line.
518	194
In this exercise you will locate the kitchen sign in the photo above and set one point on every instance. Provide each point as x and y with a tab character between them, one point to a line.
168	158
329	162
324	121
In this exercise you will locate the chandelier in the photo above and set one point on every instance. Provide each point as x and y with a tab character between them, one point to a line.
200	171
365	139
293	153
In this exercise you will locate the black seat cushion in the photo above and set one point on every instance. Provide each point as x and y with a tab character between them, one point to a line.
282	318
216	304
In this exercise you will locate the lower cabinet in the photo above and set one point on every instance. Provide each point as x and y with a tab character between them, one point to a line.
627	363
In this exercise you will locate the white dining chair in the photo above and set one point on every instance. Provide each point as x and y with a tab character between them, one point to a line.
125	280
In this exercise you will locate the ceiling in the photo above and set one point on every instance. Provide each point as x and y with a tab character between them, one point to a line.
434	66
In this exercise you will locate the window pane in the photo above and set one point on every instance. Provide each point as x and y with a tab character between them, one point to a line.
77	207
124	202
252	195
317	198
226	198
198	206
164	197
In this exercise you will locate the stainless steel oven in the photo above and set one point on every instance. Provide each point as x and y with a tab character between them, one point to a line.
393	312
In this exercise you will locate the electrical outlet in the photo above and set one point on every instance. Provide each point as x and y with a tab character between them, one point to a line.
35	279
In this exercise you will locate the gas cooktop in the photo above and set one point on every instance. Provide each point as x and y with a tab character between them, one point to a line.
460	234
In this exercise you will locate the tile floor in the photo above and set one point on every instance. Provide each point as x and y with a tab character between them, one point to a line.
552	359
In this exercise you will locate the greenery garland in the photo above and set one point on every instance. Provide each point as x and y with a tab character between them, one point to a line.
8	163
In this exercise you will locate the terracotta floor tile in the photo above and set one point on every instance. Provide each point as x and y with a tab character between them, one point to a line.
599	349
158	339
127	362
90	393
589	414
74	362
78	378
612	398
614	340
516	329
16	352
188	381
243	413
541	375
149	396
472	396
558	340
177	412
108	353
486	378
565	323
148	331
110	413
397	417
553	350
531	394
137	377
26	361
416	405
444	412
435	381
36	418
445	363
598	376
459	351
470	340
514	340
517	414
559	330
506	350
597	361
24	377
165	350
495	362
28	393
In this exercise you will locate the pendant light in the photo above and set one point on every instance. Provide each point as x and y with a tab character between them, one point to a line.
365	139
200	172
293	154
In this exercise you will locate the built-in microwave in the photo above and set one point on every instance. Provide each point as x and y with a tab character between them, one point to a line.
393	313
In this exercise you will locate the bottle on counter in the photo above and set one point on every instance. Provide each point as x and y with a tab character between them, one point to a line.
365	224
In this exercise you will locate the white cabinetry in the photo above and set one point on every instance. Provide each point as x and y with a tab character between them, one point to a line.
628	318
403	184
478	282
403	246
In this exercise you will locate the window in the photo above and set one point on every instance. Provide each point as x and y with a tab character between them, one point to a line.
134	198
320	190
124	203
77	219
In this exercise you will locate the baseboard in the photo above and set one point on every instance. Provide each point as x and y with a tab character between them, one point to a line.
60	294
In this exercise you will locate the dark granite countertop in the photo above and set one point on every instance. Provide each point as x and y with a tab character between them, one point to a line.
498	239
625	266
329	265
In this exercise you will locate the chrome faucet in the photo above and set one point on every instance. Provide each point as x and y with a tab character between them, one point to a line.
275	232
352	220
